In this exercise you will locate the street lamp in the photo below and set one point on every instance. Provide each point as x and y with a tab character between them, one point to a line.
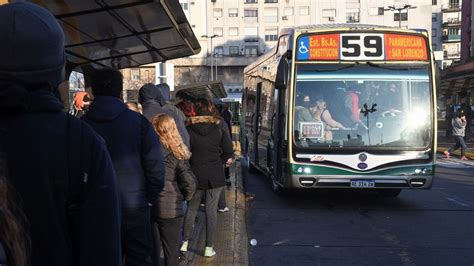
399	9
212	53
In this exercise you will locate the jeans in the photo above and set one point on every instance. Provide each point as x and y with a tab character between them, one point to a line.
212	198
166	235
459	143
136	236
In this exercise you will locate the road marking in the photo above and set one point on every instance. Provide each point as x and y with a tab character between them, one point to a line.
459	202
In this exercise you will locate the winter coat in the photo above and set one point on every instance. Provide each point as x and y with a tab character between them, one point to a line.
210	148
180	185
153	103
134	148
38	139
459	127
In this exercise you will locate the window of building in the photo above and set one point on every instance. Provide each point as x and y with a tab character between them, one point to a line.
251	50
184	6
453	31
270	14
288	11
271	1
271	34
251	1
433	32
233	50
329	14
454	4
233	31
434	17
218	51
218	12
404	16
434	2
251	34
135	73
304	10
434	47
352	15
376	11
233	12
218	31
250	13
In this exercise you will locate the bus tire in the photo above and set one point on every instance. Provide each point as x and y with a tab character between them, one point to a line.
390	192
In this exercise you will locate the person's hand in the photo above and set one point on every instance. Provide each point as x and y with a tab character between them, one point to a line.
229	162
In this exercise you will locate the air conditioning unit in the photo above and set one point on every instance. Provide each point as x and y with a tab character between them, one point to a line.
284	18
331	18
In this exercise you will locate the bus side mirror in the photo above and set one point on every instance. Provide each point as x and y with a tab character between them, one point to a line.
282	75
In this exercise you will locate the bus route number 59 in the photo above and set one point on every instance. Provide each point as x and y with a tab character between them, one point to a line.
362	46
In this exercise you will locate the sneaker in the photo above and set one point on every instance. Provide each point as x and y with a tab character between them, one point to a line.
184	246
209	252
446	153
464	158
223	210
202	205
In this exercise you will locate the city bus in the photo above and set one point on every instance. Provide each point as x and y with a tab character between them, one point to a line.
342	106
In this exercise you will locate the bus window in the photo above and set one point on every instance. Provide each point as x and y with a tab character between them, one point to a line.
369	106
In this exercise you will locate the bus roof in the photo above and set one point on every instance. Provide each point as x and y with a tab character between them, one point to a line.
123	34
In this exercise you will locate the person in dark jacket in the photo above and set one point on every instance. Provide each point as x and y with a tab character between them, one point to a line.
153	102
208	146
137	158
180	184
57	164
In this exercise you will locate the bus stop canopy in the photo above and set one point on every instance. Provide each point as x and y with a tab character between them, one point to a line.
122	33
211	90
457	78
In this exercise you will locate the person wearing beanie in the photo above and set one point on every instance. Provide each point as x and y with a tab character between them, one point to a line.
68	194
153	103
137	158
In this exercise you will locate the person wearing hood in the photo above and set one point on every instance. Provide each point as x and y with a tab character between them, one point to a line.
137	158
165	91
210	147
58	165
153	102
180	184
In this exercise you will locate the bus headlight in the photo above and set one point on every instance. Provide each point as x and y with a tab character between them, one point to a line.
307	170
300	170
418	171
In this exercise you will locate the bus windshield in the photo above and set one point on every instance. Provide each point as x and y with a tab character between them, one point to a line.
362	106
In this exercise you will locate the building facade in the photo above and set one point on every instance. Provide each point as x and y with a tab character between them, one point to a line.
234	32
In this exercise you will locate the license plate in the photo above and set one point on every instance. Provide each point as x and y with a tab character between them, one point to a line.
363	183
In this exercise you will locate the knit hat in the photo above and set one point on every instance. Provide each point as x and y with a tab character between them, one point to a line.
31	46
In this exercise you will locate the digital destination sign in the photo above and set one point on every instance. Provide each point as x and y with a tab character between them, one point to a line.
362	46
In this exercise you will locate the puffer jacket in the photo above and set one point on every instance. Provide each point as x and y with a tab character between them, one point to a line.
180	185
210	148
459	127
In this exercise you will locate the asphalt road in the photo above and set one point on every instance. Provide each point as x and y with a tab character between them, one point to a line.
419	227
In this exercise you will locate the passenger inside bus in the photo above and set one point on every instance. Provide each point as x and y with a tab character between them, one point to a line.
302	112
322	114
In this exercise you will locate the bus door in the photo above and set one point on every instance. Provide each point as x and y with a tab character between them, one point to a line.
256	125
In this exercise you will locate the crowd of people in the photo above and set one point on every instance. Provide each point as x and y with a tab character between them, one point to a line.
117	186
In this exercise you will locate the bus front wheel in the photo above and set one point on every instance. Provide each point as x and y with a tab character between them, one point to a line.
390	192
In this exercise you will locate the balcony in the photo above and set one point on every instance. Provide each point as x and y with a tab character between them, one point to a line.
452	22
453	55
451	8
451	38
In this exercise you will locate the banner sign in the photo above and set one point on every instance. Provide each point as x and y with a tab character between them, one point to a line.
362	46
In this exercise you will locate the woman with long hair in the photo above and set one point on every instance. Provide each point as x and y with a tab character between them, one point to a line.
180	184
13	238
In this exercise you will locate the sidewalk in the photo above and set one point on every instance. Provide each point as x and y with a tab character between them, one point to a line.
445	143
231	242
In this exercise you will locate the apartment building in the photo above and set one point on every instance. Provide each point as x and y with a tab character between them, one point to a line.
234	32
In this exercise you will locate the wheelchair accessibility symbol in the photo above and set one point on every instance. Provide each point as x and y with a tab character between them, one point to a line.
303	49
